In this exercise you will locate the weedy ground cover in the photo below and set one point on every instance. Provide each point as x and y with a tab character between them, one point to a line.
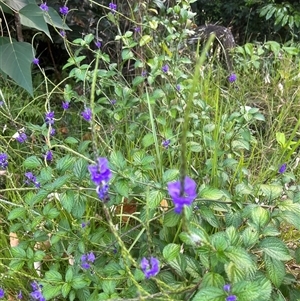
175	181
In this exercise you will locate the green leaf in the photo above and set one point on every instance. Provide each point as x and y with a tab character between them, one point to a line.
208	215
79	205
122	187
67	200
17	64
145	40
109	286
211	193
17	4
19	212
148	140
179	265
171	219
275	270
79	282
46	174
40	196
275	248
69	274
51	291
64	163
53	276
210	294
250	237
71	140
260	217
171	251
170	175
54	19
66	289
154	198
32	162
118	160
212	279
291	218
32	16
127	54
271	191
241	258
18	252
80	169
234	272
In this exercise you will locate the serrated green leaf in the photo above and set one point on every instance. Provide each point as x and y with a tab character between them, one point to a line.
69	274
208	215
18	252
80	169
79	282
179	265
170	175
19	212
53	276
271	191
118	160
51	291
39	197
210	294
67	200
16	264
138	80
65	163
275	248
17	63
32	162
260	217
171	251
154	198
71	140
234	272
289	205
250	237
171	219
122	187
46	174
241	258
148	140
79	205
212	279
211	193
291	218
275	270
145	40
65	289
109	286
38	255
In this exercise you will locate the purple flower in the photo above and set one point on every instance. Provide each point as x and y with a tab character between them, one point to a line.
166	143
62	33
150	269
64	10
65	105
49	155
36	294
102	191
87	114
85	265
100	173
31	179
232	77
113	7
49	118
113	101
231	298
178	88
165	68
2	293
98	44
282	168
20	295
3	160
21	138
1	103
227	288
137	29
44	7
52	132
144	73
185	197
35	61
91	257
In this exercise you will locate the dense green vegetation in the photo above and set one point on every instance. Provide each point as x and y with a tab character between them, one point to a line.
136	168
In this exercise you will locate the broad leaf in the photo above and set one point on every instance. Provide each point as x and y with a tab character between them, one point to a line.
275	248
210	294
16	59
275	270
171	251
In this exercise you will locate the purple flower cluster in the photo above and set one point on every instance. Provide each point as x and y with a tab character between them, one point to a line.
166	143
65	105
30	178
87	259
185	197
35	61
36	293
64	10
22	137
165	68
3	160
44	7
49	155
232	77
282	168
87	114
100	175
227	289
49	118
150	268
2	293
113	7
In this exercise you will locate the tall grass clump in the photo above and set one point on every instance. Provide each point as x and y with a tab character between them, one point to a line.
152	175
